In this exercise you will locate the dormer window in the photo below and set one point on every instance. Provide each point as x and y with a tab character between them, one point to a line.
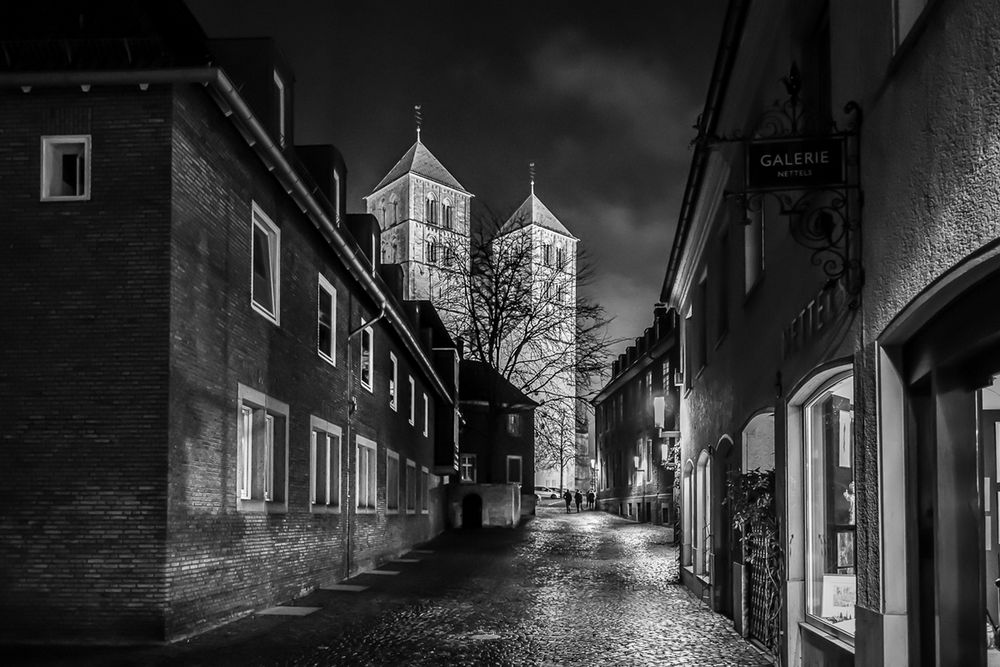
431	212
280	85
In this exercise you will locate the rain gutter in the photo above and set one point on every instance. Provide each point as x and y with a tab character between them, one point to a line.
725	58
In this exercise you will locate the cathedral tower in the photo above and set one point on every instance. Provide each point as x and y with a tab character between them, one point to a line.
424	215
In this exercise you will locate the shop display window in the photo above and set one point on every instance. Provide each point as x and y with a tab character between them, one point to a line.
830	513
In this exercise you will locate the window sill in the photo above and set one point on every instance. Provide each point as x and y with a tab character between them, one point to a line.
366	387
328	359
324	509
366	510
826	637
266	314
52	198
392	511
411	511
261	506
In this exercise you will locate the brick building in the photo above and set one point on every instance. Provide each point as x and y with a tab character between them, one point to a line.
215	398
636	427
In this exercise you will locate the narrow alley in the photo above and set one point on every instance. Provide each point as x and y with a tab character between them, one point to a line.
584	588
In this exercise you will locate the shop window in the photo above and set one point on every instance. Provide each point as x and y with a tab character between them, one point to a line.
266	240
65	168
828	439
324	465
367	475
687	505
703	516
326	315
391	482
467	468
262	454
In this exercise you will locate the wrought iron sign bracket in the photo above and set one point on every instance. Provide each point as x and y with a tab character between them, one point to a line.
812	174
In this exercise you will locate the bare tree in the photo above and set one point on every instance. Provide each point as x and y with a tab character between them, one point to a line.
527	320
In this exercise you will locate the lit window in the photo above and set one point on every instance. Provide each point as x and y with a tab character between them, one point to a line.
467	468
413	402
424	490
393	380
830	514
366	475
514	469
426	416
753	250
266	297
514	423
324	465
280	86
367	336
326	315
391	482
261	456
65	168
411	487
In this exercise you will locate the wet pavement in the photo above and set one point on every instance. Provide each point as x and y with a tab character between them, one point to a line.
564	589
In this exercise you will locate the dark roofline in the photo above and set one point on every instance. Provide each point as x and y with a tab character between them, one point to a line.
725	58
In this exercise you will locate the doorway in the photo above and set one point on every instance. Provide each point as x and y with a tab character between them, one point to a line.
472	511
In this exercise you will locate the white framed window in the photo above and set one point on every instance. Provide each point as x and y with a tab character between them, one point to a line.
393	382
391	482
828	438
262	452
514	469
265	243
413	402
411	487
326	318
280	86
324	465
65	168
467	468
366	481
367	351
426	416
424	490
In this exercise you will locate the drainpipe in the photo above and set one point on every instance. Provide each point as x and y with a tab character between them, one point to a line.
351	407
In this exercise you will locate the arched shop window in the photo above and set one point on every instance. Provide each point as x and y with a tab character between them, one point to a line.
687	506
703	514
828	458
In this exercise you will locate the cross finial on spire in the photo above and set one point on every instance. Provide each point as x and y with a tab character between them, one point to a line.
418	118
531	173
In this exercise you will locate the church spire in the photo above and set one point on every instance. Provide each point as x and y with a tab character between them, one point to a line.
418	118
531	173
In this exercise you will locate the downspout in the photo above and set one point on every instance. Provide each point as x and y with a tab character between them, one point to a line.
351	407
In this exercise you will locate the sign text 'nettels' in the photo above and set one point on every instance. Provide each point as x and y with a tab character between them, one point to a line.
793	164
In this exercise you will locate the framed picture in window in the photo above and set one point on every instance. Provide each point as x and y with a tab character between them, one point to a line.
845	552
839	594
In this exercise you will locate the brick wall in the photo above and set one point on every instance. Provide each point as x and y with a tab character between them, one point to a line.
83	369
222	562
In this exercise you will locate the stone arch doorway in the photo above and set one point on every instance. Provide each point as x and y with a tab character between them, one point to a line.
472	511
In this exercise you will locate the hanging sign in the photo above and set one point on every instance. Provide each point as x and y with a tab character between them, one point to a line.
795	164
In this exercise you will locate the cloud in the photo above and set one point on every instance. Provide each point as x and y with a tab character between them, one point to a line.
639	94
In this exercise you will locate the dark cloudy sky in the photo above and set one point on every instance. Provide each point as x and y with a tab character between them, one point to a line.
601	96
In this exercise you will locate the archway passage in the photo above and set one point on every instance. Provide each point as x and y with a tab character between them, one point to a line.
472	511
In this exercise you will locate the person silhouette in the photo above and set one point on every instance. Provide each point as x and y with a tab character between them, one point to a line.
579	499
568	498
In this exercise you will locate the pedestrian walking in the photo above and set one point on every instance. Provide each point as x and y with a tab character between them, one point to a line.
590	499
579	499
568	497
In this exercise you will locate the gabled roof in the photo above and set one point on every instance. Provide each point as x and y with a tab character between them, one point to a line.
533	211
420	161
481	383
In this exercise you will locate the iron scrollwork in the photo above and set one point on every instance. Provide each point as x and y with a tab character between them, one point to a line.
824	219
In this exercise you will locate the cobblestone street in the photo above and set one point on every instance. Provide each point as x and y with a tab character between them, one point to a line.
566	589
